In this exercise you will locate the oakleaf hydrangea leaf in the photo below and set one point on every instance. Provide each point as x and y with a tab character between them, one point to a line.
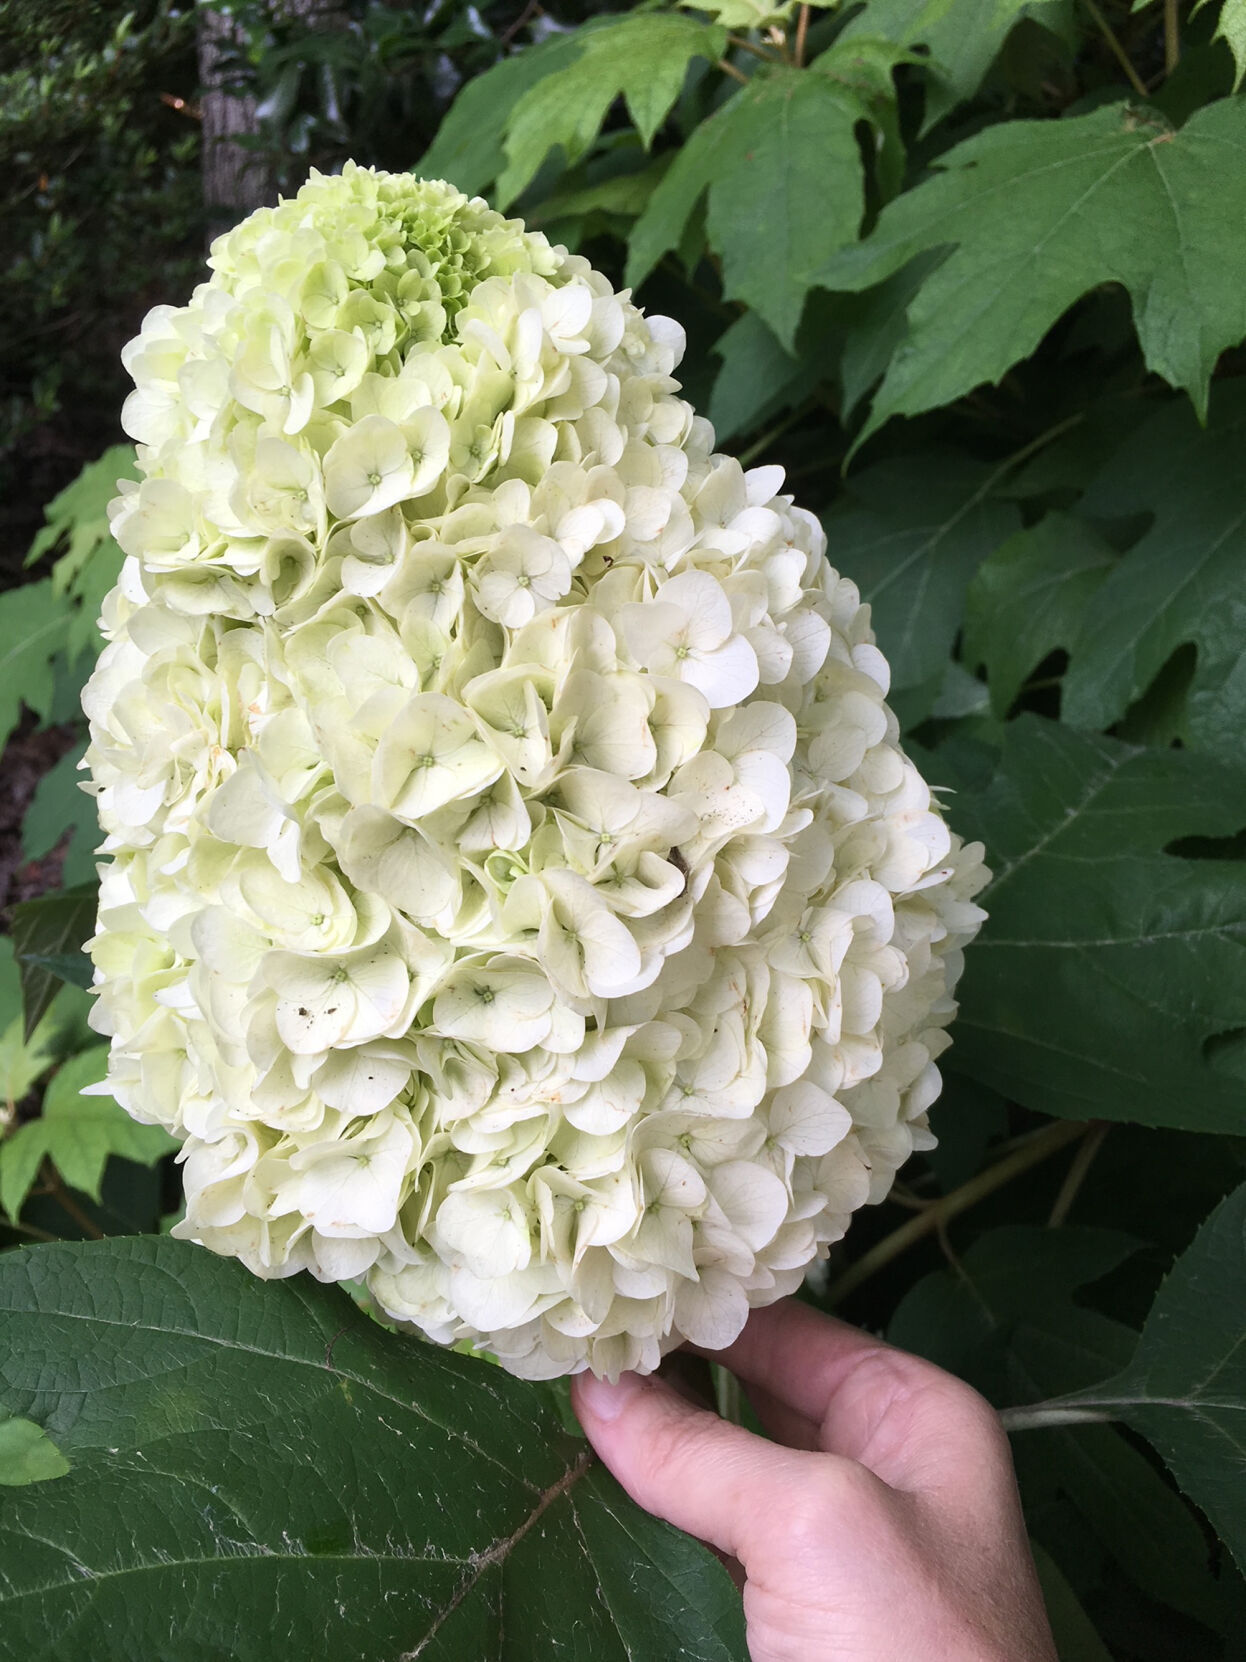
914	529
1031	596
1106	967
1185	1389
468	149
1034	214
757	377
642	58
1183	581
962	40
34	626
781	169
264	1473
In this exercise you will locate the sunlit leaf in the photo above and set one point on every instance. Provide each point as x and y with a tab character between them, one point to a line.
1037	213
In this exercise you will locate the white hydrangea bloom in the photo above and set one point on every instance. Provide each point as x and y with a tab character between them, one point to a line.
517	892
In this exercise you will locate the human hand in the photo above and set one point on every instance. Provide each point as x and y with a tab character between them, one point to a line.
885	1528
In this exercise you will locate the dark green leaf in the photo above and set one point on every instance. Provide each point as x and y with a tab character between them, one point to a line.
1030	597
261	1472
618	194
927	521
877	322
47	941
1040	212
1010	1275
27	1453
757	378
963	37
1185	1389
1007	1320
10	984
782	169
642	58
1185	581
1106	964
1074	1632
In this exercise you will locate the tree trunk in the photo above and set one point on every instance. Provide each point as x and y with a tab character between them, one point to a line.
237	179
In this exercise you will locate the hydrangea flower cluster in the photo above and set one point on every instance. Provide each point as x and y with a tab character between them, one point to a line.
517	894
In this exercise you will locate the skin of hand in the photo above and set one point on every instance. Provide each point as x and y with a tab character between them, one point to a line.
882	1525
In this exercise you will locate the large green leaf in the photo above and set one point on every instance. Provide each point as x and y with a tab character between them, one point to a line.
77	1133
1185	1389
642	58
1106	964
1035	214
1184	581
468	148
963	37
915	529
260	1472
782	168
1008	1321
1030	597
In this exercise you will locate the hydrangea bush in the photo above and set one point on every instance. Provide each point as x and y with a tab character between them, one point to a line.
517	893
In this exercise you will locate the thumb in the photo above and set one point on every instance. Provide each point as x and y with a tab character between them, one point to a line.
707	1477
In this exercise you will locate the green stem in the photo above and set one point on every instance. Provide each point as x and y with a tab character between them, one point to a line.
742	45
58	1193
1076	1175
1050	1140
1172	36
1118	51
759	446
730	69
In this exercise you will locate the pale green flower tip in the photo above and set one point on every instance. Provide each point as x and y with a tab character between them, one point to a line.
419	241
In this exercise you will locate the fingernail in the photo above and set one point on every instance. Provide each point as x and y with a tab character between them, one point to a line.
603	1400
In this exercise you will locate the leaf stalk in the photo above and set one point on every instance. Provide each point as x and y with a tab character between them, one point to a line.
1050	1140
1042	1414
1118	51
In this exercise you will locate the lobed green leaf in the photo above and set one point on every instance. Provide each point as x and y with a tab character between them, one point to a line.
1036	213
1106	966
260	1472
780	168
